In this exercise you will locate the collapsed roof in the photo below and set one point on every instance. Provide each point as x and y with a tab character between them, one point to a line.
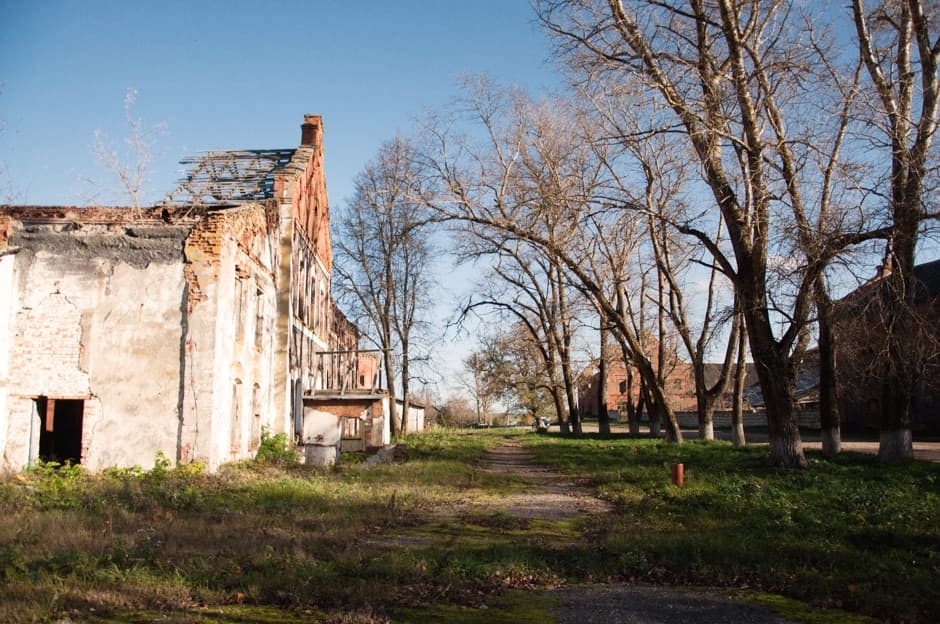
230	176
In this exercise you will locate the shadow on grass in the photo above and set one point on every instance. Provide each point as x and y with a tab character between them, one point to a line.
304	544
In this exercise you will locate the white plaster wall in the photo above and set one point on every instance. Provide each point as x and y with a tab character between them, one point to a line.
198	381
321	428
22	440
7	302
252	364
322	437
386	423
105	332
282	381
222	370
132	350
415	418
224	365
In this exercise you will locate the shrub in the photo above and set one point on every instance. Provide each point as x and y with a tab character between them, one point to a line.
275	450
55	485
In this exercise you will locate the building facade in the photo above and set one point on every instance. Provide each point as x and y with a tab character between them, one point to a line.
863	325
182	330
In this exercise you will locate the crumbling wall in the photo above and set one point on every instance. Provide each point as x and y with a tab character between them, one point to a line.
230	343
7	298
327	411
97	318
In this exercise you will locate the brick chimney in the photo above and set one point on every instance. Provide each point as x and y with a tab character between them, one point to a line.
311	129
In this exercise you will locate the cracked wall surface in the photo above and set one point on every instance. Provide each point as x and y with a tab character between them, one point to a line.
162	324
94	315
184	330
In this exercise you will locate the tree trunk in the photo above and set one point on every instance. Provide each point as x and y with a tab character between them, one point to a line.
775	372
559	409
897	443
706	425
828	401
574	417
786	446
575	421
632	417
603	416
642	407
895	446
655	419
704	403
405	398
390	388
564	352
737	400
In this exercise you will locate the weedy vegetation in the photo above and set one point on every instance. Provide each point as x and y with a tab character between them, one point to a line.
271	541
847	533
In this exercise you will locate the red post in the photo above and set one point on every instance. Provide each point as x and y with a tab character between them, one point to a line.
678	474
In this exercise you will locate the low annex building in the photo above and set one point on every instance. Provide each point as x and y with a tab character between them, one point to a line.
185	329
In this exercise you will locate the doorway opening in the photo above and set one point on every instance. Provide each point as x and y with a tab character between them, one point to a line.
60	431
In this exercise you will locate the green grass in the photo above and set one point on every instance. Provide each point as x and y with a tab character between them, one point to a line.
846	533
269	542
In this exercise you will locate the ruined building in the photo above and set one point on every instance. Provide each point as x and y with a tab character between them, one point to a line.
185	329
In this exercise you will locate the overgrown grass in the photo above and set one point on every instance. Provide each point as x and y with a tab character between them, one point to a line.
846	533
274	542
264	533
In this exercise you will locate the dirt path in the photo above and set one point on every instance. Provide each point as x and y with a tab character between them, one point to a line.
549	495
552	496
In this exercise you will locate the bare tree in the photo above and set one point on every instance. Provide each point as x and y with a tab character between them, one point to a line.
739	81
130	165
513	368
661	188
534	178
484	383
529	288
383	259
457	412
899	44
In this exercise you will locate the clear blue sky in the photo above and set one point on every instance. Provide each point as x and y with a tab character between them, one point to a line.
238	75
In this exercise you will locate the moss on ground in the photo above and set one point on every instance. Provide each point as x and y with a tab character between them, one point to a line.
520	607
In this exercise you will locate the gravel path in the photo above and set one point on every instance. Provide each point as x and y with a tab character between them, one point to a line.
549	497
649	604
554	497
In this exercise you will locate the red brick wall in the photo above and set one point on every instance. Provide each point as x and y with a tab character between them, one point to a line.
305	182
208	235
679	388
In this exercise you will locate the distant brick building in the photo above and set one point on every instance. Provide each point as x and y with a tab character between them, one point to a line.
184	329
623	385
860	329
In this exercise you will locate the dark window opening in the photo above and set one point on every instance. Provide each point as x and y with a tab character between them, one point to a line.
60	429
